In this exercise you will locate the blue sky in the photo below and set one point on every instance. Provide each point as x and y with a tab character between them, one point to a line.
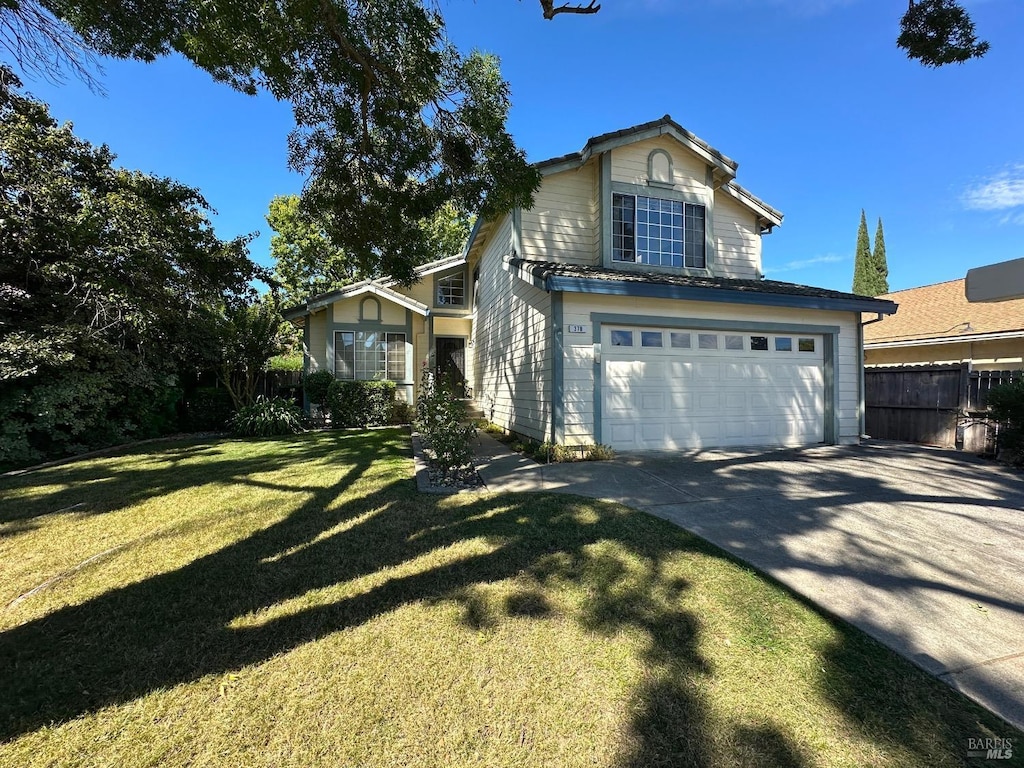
823	113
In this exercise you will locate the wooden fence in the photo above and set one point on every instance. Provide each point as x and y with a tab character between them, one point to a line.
942	405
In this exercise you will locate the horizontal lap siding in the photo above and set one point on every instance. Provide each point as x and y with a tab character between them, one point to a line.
579	356
737	242
318	342
562	225
511	345
629	164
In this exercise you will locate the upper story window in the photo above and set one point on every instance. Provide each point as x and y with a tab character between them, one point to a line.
662	233
451	290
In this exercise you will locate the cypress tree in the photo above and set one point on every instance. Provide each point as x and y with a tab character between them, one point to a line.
879	266
862	277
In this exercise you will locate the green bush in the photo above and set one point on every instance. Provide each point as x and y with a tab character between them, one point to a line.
402	413
441	420
265	418
316	386
360	403
285	363
66	412
1006	404
207	409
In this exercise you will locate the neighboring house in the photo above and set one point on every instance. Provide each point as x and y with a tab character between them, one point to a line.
627	307
936	324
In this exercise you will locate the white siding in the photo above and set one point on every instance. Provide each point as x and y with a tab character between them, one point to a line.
579	350
318	342
629	164
737	241
512	345
563	223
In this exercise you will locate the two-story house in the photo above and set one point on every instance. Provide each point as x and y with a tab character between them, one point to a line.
627	307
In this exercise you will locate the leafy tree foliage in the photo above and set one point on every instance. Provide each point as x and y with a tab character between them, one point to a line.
307	263
250	333
939	32
108	279
392	122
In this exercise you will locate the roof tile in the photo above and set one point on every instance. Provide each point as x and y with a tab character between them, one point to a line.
942	311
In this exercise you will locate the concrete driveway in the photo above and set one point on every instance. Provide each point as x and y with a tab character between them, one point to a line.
923	549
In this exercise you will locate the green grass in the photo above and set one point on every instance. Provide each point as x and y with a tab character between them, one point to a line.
294	602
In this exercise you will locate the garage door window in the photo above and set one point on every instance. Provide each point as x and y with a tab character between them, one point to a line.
734	342
783	344
806	345
622	338
680	340
650	338
707	341
759	343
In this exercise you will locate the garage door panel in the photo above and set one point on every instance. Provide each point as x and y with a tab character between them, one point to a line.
715	396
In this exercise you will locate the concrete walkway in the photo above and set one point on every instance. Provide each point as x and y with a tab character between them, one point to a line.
923	549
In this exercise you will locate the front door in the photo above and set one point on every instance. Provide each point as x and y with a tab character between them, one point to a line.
451	363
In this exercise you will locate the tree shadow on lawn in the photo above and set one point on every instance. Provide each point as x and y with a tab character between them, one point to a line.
107	484
182	625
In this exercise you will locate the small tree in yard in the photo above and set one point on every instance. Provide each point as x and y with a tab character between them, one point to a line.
441	420
1006	405
250	332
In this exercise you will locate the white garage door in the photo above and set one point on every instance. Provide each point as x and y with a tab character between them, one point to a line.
666	388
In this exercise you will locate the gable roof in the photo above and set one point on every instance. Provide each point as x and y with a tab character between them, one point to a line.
941	313
578	278
378	287
724	168
661	127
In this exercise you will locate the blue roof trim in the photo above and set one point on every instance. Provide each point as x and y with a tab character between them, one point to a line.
664	291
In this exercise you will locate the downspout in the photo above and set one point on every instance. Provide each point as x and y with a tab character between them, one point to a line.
860	379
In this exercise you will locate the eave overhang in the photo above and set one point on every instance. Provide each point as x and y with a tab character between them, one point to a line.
659	290
937	340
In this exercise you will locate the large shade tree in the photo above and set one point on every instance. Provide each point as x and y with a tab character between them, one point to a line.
108	281
392	122
307	262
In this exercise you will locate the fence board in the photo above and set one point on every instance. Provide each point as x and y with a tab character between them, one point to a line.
941	405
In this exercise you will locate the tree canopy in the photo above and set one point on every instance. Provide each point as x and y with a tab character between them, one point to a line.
307	262
109	280
392	122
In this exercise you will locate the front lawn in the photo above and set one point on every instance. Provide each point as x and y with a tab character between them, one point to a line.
294	602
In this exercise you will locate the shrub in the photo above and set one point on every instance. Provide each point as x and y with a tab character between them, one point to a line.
285	363
360	403
316	385
65	412
402	413
1006	404
265	418
207	409
441	420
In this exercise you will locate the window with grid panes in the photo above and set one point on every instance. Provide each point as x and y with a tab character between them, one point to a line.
451	290
368	355
664	233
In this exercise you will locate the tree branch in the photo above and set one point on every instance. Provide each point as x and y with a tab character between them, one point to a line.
550	11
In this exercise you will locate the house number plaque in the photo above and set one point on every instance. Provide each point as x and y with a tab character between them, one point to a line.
577	329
